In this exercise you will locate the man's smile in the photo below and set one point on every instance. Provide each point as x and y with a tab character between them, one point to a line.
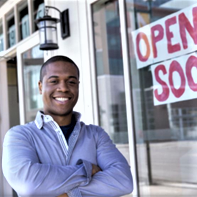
61	99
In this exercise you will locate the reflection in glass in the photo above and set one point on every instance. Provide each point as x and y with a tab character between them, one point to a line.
165	134
1	38
24	20
38	11
109	66
32	61
11	30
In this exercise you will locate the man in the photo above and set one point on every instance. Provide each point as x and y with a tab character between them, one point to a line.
57	154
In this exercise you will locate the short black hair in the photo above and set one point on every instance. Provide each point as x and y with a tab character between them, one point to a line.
56	58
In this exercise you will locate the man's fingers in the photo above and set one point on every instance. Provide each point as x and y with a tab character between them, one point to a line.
63	195
95	169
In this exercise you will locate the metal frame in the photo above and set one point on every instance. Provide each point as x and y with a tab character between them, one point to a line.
92	62
128	96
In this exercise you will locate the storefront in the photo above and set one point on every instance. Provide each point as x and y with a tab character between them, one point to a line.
138	81
164	101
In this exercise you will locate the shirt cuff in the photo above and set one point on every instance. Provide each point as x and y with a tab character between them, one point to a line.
74	192
88	168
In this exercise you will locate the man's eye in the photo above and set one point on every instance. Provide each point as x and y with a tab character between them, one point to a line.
53	81
72	82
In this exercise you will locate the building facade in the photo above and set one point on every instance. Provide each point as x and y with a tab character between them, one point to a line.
137	80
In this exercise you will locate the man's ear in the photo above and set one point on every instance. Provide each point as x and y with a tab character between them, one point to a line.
40	87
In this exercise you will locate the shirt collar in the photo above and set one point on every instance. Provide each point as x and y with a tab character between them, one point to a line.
41	118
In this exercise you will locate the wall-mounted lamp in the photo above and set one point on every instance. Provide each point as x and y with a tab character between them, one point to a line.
48	30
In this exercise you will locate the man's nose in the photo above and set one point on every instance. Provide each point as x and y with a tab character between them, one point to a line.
63	87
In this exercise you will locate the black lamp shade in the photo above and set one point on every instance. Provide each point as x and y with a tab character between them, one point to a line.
48	32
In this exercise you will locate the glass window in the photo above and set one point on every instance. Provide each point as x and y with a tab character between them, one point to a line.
11	29
1	38
166	135
38	7
109	66
23	20
32	61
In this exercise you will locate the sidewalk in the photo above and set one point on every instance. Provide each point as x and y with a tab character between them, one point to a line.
166	191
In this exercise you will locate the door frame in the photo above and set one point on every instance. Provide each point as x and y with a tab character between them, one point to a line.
16	50
29	43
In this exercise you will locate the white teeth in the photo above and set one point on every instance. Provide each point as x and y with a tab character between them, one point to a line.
61	99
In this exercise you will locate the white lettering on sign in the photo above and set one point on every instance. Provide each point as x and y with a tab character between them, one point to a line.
175	80
170	37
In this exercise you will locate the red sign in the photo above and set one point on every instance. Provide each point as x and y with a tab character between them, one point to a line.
170	37
175	80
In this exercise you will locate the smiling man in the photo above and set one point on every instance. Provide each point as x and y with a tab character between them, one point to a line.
60	88
57	154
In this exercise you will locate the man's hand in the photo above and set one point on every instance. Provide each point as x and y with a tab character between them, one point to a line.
95	169
63	195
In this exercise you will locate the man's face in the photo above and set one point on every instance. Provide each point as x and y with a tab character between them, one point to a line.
59	88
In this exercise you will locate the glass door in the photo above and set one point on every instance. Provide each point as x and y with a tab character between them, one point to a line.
30	58
165	117
110	75
109	72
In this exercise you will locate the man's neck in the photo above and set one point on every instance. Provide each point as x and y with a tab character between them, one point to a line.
61	120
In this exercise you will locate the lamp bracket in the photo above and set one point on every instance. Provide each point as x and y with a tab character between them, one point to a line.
47	7
64	20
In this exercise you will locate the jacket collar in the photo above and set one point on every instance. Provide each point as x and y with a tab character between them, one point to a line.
41	118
